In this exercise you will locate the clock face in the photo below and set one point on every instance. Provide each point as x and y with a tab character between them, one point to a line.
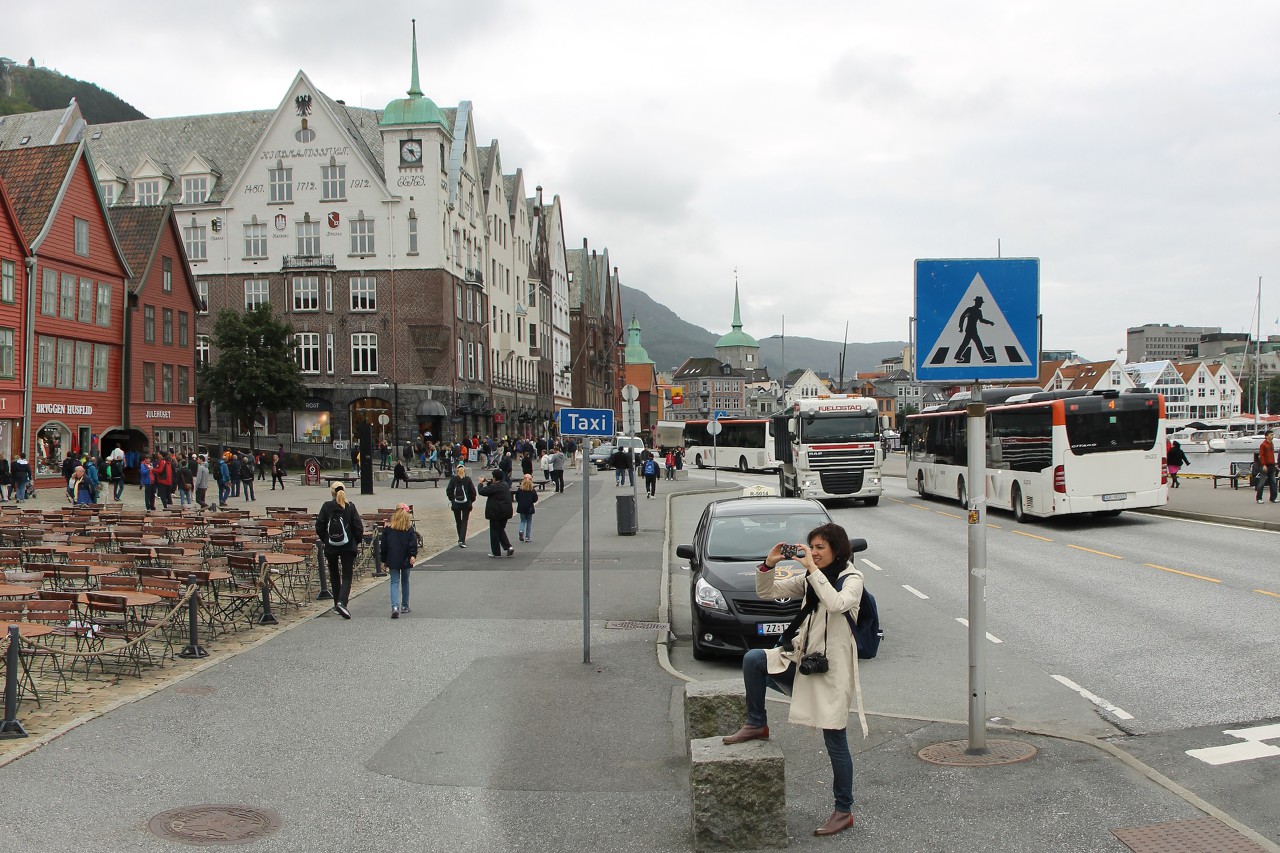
411	152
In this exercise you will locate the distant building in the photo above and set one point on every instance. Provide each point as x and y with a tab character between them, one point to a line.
1156	341
639	370
708	385
1058	355
738	348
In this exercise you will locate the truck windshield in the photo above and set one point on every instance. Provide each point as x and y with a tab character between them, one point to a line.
833	428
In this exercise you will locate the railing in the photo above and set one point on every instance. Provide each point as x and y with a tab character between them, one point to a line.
473	275
309	262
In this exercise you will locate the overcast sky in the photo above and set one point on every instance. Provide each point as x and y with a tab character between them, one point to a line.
817	148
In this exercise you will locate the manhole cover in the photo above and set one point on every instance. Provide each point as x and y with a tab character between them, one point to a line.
1186	836
622	623
215	825
953	753
193	691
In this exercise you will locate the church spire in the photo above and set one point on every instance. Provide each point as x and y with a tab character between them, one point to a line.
415	90
737	313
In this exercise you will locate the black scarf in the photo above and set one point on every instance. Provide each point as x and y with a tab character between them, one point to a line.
811	600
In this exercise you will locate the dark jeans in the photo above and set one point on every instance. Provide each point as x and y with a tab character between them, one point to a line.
340	563
557	477
651	485
224	492
247	488
165	493
200	495
149	496
1267	478
499	544
117	489
756	677
460	516
277	478
262	472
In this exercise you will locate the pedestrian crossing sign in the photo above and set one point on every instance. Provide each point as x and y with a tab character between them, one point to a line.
977	320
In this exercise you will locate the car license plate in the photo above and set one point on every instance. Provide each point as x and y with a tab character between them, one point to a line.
1119	496
771	628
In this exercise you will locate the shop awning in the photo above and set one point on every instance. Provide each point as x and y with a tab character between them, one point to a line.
432	409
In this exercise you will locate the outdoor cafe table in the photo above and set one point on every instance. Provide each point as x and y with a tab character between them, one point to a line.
70	549
278	559
15	590
131	598
27	630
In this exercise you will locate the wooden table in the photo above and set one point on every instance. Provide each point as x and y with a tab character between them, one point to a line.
16	590
70	549
28	630
131	598
279	559
78	570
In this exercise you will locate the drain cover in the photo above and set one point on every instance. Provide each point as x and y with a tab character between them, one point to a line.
623	623
193	691
215	825
953	753
1186	836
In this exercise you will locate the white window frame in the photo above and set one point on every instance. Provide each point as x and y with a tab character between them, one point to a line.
255	240
333	182
84	308
101	366
195	189
257	291
146	191
364	293
202	296
84	365
49	293
480	363
203	349
413	236
8	279
280	185
67	297
307	349
6	353
47	361
462	365
66	363
362	236
306	292
364	353
328	353
81	227
166	270
471	360
308	234
197	243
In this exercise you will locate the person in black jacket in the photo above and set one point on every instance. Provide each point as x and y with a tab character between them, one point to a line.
498	510
525	498
5	478
277	472
461	493
397	551
338	519
399	475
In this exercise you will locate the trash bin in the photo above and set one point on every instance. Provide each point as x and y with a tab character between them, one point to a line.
627	521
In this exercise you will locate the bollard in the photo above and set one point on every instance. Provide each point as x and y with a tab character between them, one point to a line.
267	617
193	648
10	727
324	595
375	545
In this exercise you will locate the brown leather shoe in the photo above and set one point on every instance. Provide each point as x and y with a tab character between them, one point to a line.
838	822
747	733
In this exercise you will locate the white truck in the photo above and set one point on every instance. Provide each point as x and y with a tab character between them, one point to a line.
830	447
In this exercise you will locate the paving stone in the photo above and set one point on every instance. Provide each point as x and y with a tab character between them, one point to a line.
738	795
714	708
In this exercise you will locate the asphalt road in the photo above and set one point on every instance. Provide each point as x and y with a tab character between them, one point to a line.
1158	633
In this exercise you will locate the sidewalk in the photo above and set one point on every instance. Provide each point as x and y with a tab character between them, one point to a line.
474	725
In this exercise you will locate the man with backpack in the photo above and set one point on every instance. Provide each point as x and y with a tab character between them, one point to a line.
224	480
341	531
162	474
649	467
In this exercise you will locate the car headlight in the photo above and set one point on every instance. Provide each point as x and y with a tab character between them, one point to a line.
708	596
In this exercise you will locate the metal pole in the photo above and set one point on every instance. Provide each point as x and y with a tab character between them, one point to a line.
715	454
10	727
977	497
193	649
586	550
267	617
376	546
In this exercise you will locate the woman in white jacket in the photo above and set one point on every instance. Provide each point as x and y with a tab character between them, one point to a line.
819	697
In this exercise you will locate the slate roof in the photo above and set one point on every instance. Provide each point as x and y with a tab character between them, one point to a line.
33	177
509	190
361	125
40	127
138	231
709	367
483	153
575	264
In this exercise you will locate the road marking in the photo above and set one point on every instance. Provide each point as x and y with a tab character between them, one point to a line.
1264	592
918	506
872	565
1097	700
995	526
992	637
917	593
1252	746
1099	553
895	500
1032	535
948	514
1184	574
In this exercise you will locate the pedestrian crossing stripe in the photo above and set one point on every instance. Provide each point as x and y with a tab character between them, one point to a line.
977	333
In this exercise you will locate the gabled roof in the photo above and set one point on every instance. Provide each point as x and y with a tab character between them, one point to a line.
34	179
1048	370
709	367
46	127
1085	377
1186	371
138	230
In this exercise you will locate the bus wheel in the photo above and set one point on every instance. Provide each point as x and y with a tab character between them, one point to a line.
1109	513
1019	512
742	464
961	493
697	460
871	501
920	485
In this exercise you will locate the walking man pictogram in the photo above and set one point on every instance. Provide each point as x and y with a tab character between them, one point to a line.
969	321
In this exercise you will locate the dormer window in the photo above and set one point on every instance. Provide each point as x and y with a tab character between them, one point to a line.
195	189
146	191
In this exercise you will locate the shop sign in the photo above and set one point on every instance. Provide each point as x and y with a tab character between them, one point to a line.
158	414
62	409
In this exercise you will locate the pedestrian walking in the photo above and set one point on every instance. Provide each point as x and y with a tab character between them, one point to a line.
498	511
816	660
80	487
339	527
526	497
398	551
1176	460
116	477
670	464
184	482
621	461
201	481
558	463
1267	461
461	493
147	484
650	470
224	479
246	476
233	466
258	464
6	479
277	471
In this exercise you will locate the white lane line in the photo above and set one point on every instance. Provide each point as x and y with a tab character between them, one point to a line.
872	565
1097	700
917	593
990	636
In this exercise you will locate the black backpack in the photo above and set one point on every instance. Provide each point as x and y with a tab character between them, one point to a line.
866	630
337	536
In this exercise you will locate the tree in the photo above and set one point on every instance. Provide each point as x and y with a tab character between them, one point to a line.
255	370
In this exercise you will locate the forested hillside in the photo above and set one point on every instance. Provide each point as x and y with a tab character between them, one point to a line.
27	88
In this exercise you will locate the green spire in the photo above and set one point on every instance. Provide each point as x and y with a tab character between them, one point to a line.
635	352
416	109
737	313
737	338
415	90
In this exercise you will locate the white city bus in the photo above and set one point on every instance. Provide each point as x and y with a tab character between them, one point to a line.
1049	453
743	443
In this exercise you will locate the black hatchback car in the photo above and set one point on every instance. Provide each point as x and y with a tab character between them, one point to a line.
732	538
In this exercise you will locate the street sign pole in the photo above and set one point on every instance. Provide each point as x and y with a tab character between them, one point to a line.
630	396
977	495
714	428
586	549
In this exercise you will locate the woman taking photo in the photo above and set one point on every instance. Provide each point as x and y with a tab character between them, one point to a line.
340	529
398	550
817	658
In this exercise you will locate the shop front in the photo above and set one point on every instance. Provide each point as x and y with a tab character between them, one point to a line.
62	429
11	424
313	423
433	419
374	411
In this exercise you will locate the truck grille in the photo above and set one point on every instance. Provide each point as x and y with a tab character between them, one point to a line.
841	482
835	460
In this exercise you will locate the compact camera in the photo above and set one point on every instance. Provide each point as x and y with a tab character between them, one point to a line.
790	552
814	664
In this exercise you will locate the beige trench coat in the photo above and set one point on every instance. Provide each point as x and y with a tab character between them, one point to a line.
821	701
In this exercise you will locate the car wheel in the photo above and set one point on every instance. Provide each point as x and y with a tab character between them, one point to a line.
742	464
871	501
1019	511
697	460
920	485
961	493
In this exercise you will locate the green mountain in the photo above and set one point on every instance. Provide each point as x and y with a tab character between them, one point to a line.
27	88
670	340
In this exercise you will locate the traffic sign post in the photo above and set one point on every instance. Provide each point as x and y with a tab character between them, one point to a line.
977	320
713	429
585	423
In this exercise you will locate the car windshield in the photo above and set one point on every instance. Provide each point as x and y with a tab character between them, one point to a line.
749	537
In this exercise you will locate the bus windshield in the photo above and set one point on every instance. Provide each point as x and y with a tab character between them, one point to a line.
827	429
1109	431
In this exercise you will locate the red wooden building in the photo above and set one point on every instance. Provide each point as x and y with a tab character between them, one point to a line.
77	307
13	301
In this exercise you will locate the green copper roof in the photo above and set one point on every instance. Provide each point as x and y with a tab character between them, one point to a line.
415	109
635	352
737	338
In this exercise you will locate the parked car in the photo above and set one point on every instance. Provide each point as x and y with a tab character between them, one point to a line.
731	539
601	456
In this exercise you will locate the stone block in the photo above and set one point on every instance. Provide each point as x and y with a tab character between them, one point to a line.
738	795
714	708
681	474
